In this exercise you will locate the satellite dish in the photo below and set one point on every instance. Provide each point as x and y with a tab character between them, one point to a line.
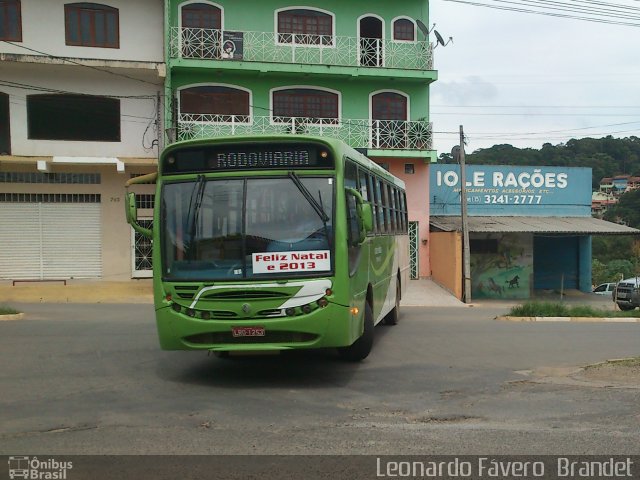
440	40
423	28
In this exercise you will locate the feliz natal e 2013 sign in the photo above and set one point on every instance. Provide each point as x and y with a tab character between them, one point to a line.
283	262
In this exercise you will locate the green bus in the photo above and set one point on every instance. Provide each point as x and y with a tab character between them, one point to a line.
274	243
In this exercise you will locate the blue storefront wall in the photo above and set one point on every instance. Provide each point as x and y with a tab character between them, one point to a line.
526	261
562	262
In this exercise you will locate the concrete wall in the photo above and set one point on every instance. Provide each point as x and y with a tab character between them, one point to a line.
116	233
506	272
417	187
136	114
446	261
141	31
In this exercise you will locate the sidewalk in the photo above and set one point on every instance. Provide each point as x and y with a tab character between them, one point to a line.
78	291
427	293
419	292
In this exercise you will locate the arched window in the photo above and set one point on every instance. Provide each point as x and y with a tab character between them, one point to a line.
305	26
389	112
201	15
309	104
389	106
10	21
215	103
404	29
91	25
201	30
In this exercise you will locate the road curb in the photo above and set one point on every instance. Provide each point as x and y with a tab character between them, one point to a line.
508	318
13	316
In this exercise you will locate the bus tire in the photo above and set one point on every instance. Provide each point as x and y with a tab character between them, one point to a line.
393	316
360	349
625	308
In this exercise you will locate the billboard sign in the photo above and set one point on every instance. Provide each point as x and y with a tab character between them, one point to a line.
511	190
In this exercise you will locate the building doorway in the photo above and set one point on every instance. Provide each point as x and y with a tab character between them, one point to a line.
371	42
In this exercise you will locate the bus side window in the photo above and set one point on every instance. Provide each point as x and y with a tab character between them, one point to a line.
353	234
394	210
405	219
371	182
364	191
380	208
350	174
389	208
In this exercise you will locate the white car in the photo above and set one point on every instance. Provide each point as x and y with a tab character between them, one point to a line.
604	289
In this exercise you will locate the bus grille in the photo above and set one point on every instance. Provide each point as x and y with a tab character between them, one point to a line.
186	292
269	337
244	295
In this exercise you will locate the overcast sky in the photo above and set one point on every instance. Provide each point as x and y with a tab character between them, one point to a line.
527	79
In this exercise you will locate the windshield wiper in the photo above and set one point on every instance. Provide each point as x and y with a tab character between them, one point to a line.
307	194
193	213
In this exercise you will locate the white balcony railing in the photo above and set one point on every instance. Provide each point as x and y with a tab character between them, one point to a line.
358	133
210	44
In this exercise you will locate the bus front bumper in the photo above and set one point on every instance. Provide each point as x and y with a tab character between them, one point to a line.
331	326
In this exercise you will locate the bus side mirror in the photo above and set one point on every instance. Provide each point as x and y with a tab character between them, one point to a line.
131	212
363	215
367	216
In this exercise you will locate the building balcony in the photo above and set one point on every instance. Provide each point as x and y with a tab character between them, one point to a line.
383	137
289	48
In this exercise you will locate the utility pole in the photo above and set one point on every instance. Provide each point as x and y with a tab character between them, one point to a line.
466	253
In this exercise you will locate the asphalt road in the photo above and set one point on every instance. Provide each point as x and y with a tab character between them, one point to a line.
90	379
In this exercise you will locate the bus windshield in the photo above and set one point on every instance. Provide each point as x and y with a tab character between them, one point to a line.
238	228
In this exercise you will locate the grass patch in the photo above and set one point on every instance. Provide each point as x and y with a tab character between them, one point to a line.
5	310
554	309
633	362
626	362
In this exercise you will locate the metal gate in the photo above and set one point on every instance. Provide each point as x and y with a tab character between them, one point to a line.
142	251
414	259
54	238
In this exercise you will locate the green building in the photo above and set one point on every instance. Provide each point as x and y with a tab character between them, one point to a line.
355	70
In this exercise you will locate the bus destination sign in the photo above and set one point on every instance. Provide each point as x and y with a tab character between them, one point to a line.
292	158
267	156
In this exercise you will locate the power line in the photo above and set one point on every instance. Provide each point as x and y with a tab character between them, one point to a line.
25	86
537	12
68	60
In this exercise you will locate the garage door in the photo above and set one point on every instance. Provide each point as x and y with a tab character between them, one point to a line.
58	237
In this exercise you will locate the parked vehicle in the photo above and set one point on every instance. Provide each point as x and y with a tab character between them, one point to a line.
627	293
605	289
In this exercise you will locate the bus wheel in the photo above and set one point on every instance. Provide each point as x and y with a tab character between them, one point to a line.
361	348
394	315
625	308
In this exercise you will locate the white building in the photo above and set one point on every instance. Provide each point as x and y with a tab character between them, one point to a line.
81	88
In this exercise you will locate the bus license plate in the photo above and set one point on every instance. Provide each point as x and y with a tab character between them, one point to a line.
247	331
